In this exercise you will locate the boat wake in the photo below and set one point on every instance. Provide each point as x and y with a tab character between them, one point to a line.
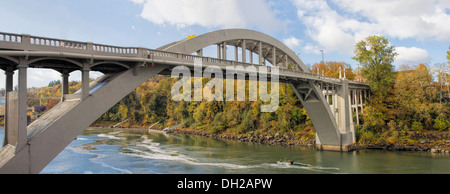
150	150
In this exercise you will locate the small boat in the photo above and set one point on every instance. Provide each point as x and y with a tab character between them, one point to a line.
285	162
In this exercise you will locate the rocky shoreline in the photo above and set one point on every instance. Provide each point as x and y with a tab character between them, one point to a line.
422	142
426	143
276	139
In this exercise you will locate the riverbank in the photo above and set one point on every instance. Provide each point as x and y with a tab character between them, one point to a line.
427	141
251	137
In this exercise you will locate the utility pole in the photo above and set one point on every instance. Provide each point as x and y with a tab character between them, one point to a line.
323	61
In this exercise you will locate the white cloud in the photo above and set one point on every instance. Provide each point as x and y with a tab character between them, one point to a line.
411	56
314	49
211	14
337	25
292	42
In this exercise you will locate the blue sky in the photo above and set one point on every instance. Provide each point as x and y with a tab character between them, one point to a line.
420	29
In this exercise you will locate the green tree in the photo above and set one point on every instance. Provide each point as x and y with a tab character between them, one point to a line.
376	55
123	112
448	56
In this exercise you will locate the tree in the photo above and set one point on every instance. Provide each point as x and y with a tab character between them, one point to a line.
54	83
123	112
376	55
333	69
448	56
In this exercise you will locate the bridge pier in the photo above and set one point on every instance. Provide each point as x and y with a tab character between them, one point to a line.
8	88
16	108
333	120
64	84
244	51
85	81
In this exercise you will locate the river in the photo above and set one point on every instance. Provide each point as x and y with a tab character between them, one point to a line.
109	151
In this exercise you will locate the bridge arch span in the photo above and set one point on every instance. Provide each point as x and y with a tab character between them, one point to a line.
240	38
110	62
55	63
109	66
309	92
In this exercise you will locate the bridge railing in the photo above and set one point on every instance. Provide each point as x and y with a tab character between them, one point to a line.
34	40
8	37
114	49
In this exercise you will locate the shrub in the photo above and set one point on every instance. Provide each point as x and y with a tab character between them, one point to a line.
441	124
417	126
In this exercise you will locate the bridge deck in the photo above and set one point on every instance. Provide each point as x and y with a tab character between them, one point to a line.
33	46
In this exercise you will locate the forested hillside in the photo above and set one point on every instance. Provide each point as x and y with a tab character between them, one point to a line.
405	108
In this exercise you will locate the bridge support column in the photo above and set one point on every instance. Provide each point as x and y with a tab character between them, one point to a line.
218	51
361	100
224	50
16	106
329	135
274	56
260	53
236	55
345	114
65	84
244	51
8	88
85	82
356	105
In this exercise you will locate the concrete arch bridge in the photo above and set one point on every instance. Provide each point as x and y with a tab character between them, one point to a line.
29	148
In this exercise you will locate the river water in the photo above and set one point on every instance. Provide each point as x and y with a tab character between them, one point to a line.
109	151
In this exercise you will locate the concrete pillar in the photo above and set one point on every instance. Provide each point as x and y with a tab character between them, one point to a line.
9	79
236	55
218	51
16	128
23	105
260	53
85	82
345	114
361	100
335	105
251	57
286	61
274	56
224	50
8	88
356	106
244	51
64	84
